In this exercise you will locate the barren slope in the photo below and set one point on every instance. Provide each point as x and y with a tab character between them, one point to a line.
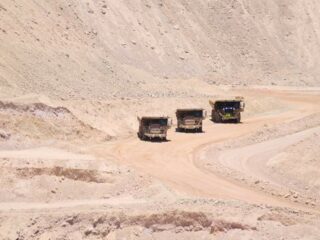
74	75
119	48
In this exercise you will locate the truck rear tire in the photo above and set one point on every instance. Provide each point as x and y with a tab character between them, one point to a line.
238	120
216	118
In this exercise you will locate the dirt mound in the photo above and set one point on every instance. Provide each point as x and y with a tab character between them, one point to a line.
276	217
25	123
188	221
36	109
84	175
141	225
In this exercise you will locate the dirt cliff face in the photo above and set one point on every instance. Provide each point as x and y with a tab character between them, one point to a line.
118	48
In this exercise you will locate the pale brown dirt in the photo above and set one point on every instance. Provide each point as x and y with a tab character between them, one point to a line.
226	173
74	76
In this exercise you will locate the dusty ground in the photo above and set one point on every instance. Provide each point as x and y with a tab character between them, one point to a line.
64	179
74	76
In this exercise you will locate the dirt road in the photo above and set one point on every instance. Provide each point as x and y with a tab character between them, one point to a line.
82	183
175	162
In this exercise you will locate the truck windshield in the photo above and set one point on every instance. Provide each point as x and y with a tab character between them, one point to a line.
222	105
196	113
161	122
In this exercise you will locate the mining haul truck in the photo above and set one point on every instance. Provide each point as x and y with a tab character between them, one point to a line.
153	128
227	110
190	119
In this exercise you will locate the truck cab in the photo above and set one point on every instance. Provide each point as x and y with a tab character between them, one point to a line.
190	119
227	110
153	128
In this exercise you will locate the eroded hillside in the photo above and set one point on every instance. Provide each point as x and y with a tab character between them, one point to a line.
127	48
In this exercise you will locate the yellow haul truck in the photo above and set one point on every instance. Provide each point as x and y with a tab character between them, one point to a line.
227	110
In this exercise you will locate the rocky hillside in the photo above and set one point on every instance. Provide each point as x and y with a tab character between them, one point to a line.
105	48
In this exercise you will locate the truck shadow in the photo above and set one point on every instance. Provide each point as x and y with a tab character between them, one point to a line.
226	122
189	131
154	140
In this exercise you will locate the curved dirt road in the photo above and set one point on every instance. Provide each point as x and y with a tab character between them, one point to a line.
176	162
173	162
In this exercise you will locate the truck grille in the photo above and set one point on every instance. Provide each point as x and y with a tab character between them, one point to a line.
190	122
155	131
